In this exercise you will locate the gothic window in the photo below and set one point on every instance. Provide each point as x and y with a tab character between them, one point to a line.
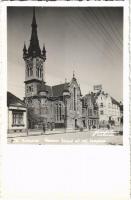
36	72
74	98
31	71
60	111
40	72
57	116
17	118
90	112
28	72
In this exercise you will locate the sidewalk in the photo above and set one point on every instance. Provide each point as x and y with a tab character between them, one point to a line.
95	132
40	132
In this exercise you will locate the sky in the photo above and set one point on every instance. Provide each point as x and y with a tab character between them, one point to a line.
86	40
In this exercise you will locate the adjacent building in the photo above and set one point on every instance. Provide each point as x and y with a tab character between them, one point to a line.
90	111
17	114
109	109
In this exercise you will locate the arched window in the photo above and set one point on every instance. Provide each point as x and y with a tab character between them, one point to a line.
57	115
60	111
28	72
31	71
40	72
74	98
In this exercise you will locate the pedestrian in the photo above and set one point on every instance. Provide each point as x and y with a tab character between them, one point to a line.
43	128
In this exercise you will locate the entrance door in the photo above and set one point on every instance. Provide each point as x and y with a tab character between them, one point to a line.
84	123
76	123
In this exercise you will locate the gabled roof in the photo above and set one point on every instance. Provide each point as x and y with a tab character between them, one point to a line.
114	101
91	96
105	94
13	100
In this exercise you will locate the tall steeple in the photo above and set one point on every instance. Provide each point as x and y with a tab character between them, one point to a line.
34	58
34	48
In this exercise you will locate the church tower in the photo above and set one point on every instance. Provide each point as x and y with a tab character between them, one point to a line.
34	59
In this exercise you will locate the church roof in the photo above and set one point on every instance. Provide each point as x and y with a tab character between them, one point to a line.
45	87
58	89
14	100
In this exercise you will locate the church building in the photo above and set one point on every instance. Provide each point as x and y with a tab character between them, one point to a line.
58	106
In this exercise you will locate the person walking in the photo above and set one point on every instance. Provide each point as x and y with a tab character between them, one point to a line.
44	129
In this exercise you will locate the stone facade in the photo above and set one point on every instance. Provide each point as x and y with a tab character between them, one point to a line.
57	106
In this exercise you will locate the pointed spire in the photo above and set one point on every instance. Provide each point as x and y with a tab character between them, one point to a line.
34	19
24	51
44	51
65	80
74	75
34	48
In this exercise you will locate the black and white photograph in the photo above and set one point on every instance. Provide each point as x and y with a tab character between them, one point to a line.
65	75
65	100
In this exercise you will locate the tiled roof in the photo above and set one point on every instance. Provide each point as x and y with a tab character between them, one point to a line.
58	89
49	89
13	100
112	99
54	91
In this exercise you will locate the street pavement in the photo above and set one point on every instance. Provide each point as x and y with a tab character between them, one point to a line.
62	137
